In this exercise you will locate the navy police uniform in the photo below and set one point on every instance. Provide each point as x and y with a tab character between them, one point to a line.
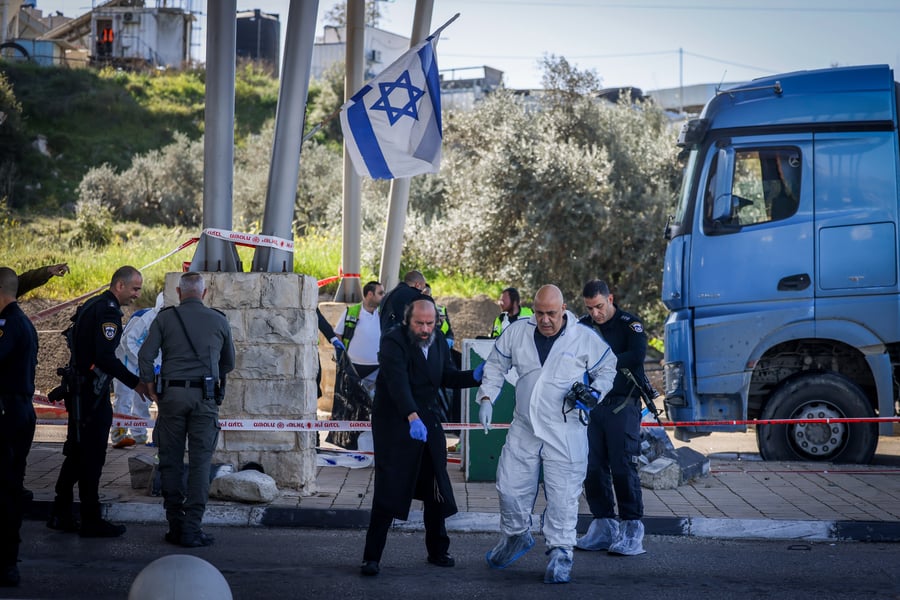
18	357
614	431
186	412
97	331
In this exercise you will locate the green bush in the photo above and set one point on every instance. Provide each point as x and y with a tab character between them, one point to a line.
93	224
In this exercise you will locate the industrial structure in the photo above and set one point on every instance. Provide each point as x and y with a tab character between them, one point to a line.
119	33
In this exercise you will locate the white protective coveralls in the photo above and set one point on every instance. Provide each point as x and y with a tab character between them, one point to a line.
538	432
127	401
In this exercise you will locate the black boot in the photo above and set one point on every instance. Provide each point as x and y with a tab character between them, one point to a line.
101	528
9	576
62	519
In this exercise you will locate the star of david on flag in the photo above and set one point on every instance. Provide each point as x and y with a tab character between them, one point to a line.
392	126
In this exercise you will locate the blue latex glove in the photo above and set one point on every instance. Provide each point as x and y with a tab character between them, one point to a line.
450	344
339	348
581	406
418	431
478	372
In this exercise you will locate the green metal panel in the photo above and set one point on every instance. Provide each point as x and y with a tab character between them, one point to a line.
482	451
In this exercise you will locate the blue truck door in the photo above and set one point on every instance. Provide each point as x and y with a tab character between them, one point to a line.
856	226
751	261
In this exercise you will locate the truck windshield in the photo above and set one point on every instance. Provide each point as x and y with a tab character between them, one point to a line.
682	212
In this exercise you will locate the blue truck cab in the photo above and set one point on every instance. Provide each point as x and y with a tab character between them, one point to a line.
781	270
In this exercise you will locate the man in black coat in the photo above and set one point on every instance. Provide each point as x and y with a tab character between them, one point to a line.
393	304
410	446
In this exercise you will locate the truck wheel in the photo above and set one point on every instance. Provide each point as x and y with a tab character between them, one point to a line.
817	396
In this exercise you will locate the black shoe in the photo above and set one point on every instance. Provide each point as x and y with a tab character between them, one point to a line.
369	567
173	537
9	576
445	560
101	529
196	540
68	524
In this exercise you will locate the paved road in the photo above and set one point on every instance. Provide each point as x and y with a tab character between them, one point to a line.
317	563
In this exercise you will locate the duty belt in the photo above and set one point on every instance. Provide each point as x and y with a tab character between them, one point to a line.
185	383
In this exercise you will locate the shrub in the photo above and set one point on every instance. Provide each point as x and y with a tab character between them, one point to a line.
93	224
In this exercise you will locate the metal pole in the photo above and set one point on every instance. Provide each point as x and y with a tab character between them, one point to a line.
349	289
218	143
396	219
681	81
284	171
4	20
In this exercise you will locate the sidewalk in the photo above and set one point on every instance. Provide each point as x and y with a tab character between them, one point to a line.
743	497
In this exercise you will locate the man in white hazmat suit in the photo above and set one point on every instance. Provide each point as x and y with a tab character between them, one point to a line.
128	402
550	351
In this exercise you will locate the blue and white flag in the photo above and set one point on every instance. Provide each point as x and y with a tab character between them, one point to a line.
392	126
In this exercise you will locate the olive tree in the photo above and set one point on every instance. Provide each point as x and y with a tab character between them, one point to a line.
559	191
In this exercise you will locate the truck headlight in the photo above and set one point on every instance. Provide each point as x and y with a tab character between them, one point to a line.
673	374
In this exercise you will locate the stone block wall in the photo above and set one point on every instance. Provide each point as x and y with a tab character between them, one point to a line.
273	321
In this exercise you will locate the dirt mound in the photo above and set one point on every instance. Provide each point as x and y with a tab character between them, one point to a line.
470	317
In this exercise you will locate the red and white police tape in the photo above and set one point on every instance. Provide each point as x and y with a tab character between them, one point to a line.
50	413
250	239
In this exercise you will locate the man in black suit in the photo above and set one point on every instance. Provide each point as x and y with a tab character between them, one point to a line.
393	304
410	446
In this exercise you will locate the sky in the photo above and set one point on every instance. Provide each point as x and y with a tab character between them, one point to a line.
649	44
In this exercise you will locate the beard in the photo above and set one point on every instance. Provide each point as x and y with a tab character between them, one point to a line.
419	342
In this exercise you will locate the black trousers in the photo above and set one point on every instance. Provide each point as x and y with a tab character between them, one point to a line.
614	447
17	423
437	542
85	455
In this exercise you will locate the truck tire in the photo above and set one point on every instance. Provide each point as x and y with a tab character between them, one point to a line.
818	395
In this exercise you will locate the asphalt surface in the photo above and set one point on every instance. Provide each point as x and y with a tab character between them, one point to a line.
261	562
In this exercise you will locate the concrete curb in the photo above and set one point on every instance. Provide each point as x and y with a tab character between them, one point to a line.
238	515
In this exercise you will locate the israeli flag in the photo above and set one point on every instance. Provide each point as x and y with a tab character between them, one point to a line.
392	126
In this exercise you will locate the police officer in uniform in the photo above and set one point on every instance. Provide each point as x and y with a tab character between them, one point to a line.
614	432
96	335
18	357
197	352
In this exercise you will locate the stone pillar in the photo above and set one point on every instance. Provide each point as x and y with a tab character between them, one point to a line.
273	321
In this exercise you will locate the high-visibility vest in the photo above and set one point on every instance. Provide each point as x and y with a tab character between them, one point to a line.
350	320
502	320
445	320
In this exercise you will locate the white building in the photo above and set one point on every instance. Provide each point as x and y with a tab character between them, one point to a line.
381	48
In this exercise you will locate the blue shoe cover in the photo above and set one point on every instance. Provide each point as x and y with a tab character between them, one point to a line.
559	567
509	550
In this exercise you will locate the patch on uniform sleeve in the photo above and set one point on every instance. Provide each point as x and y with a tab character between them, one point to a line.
109	330
636	327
